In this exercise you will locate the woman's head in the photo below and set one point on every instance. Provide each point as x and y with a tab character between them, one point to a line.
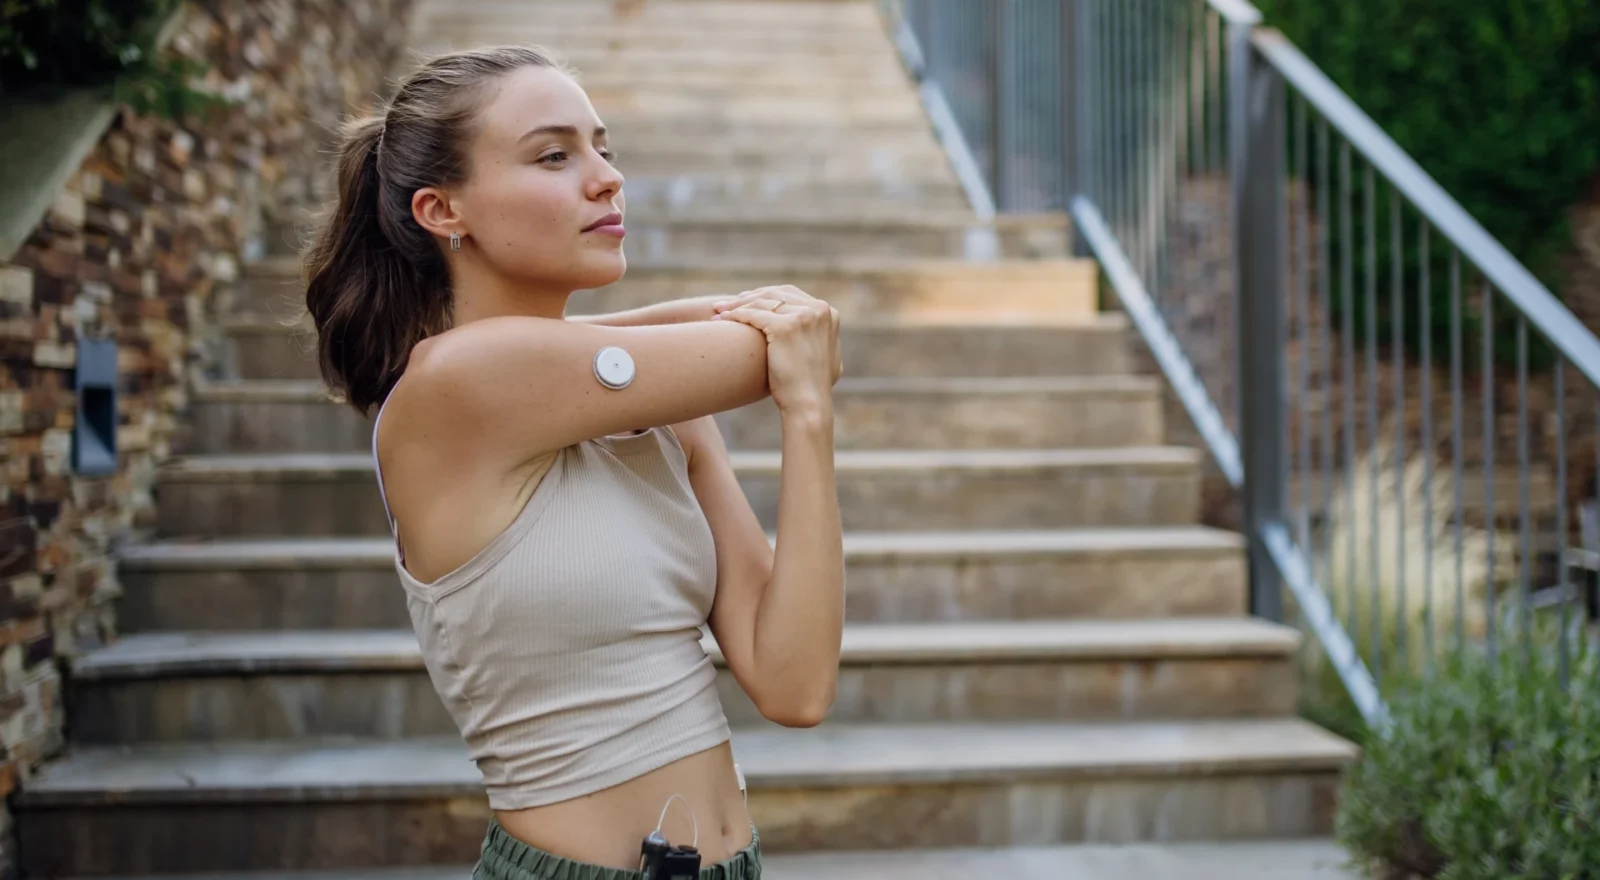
499	148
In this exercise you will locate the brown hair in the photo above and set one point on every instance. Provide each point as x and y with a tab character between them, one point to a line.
376	281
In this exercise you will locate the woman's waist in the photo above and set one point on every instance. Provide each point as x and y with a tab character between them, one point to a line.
693	800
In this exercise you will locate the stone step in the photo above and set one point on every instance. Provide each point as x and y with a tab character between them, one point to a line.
1309	859
735	192
671	64
928	291
778	137
260	346
825	19
268	685
628	97
464	29
837	15
601	71
665	26
658	106
946	291
251	416
349	583
689	238
900	155
307	494
307	804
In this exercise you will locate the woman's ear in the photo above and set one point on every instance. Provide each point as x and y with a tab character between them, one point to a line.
433	211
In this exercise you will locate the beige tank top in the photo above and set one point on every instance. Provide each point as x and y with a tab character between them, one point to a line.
568	650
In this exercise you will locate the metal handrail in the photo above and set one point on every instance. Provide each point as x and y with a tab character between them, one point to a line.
1178	167
1504	271
1236	11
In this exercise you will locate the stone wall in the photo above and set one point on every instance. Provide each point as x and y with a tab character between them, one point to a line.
149	230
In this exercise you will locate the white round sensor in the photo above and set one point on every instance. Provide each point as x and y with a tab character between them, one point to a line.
613	367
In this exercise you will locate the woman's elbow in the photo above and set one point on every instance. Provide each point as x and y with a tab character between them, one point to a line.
799	710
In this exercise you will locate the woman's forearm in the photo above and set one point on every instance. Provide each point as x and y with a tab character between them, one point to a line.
801	619
677	311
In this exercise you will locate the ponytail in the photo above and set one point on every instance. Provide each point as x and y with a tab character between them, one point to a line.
376	282
371	301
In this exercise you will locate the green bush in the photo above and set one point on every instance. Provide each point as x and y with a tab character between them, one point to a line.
1489	770
47	46
1498	101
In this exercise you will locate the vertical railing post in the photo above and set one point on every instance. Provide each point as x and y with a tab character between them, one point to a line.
1002	94
1076	81
1256	145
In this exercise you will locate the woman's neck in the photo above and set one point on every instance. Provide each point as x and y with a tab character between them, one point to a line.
480	293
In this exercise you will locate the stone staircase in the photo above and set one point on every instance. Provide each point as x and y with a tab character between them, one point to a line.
1044	649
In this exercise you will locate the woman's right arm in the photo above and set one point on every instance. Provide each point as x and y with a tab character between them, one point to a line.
528	386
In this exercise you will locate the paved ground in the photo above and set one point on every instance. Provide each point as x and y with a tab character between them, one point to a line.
1311	860
1292	860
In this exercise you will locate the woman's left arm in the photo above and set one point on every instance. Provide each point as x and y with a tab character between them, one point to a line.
780	636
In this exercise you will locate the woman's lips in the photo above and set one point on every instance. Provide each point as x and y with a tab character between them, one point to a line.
610	224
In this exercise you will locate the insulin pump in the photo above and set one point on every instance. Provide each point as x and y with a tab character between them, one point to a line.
660	860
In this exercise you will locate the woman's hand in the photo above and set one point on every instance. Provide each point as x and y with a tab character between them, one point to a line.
802	333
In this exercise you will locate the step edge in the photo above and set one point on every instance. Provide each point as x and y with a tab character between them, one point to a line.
328	652
303	467
1136	387
280	267
1297	748
271	553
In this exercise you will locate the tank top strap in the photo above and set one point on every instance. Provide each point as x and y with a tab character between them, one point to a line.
377	468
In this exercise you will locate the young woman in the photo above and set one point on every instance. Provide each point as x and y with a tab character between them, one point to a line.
565	514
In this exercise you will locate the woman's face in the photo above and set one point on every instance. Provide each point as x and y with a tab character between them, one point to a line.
543	203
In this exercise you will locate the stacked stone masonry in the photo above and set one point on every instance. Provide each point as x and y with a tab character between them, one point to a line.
139	245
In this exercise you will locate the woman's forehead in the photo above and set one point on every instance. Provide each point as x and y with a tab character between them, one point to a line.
537	98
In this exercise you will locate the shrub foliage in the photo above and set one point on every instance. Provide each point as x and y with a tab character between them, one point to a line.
47	46
1499	101
1488	770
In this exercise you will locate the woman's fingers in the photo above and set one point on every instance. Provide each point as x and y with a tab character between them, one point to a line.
761	319
745	298
782	292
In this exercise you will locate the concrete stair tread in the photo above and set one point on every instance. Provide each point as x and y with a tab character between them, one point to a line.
232	653
313	390
1314	859
255	322
829	755
280	267
334	465
297	553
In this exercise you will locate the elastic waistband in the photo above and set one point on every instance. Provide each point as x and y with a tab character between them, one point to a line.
506	858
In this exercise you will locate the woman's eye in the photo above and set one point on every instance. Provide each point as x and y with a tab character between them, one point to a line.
609	156
557	156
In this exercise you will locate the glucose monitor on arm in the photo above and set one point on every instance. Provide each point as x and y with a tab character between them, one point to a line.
613	367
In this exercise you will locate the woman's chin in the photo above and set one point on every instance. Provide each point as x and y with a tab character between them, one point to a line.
603	271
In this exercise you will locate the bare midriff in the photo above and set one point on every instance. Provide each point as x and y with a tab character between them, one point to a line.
606	827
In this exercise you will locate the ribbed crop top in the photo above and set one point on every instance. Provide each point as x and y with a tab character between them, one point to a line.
568	650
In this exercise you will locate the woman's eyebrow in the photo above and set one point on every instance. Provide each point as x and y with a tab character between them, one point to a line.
567	130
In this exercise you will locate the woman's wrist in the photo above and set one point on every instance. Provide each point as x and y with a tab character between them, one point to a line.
812	414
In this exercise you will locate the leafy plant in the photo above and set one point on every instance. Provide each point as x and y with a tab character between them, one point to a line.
47	46
1488	770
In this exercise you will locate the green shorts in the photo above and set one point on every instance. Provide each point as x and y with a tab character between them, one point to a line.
506	858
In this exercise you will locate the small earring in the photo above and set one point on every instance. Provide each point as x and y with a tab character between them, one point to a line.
455	241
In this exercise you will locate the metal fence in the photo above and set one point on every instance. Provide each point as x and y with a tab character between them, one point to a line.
1409	416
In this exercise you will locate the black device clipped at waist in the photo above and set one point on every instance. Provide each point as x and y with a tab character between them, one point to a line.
660	860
